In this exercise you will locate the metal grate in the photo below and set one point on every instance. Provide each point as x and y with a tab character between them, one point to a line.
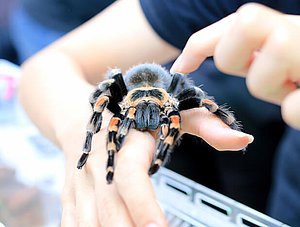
189	204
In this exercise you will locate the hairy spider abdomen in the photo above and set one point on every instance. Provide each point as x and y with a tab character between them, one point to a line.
147	115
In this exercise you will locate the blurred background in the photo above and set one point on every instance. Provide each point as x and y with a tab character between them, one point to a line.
30	166
7	50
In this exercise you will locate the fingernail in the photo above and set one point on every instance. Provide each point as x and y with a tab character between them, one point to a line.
152	225
172	71
242	134
250	138
175	65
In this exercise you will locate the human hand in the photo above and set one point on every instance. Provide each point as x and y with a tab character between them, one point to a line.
258	43
87	200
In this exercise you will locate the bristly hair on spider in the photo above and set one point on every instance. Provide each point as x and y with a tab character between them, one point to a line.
147	98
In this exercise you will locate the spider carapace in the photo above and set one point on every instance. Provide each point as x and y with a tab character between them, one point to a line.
149	98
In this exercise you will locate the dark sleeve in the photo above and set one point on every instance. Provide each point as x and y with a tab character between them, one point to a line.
284	198
176	20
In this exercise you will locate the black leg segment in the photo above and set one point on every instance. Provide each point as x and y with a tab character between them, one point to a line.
164	145
112	146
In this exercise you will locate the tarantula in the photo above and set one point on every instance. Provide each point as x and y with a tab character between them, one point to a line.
150	97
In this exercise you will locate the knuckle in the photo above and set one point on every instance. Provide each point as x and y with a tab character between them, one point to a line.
251	85
290	110
248	18
281	39
255	87
250	7
286	116
222	64
227	63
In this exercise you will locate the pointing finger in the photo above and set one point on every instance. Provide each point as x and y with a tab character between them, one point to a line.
201	45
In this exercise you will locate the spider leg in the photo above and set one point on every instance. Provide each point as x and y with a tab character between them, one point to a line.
168	141
224	114
93	127
126	125
176	82
164	127
112	145
221	112
102	87
179	83
115	84
194	97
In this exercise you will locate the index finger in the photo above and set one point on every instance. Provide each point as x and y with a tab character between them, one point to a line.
133	182
201	45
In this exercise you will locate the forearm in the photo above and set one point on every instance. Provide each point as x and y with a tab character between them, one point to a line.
54	94
119	36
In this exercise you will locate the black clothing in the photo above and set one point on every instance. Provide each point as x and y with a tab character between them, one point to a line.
63	15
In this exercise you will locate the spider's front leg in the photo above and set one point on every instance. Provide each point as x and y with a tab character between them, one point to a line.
169	135
93	127
98	103
116	85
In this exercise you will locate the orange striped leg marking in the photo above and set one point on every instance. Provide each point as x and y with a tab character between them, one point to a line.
101	103
112	146
164	145
210	105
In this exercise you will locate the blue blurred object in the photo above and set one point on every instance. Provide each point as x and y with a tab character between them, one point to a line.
28	35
